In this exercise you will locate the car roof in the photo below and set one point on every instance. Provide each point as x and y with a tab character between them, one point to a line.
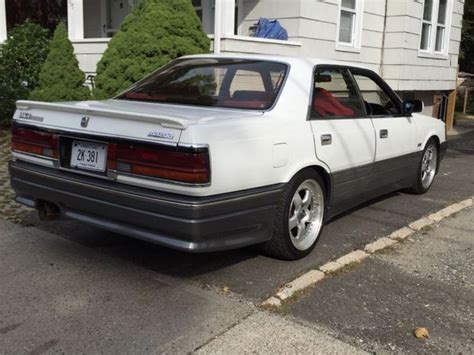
292	60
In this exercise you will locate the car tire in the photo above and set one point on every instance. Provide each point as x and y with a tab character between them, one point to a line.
299	218
427	168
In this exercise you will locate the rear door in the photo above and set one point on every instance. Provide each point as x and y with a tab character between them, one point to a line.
344	136
396	155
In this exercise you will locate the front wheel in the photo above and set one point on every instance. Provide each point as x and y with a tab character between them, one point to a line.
427	168
299	219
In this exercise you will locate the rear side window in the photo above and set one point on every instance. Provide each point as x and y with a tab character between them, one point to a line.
232	83
335	95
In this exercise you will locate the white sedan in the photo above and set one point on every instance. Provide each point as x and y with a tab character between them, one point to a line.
216	152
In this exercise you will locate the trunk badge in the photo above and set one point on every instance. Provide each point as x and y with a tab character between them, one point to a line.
160	134
85	121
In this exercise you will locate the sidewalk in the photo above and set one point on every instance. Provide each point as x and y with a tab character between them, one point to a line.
427	281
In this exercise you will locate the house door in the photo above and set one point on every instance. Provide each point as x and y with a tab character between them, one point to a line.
118	10
396	157
343	134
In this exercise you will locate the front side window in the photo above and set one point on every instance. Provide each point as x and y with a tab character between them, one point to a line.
377	100
231	83
335	95
433	37
350	21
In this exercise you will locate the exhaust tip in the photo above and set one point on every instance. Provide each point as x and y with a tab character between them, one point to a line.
48	211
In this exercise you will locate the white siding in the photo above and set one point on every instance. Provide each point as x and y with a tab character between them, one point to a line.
287	12
403	66
318	32
313	23
88	53
395	55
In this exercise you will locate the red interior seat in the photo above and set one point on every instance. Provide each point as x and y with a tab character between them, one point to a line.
326	104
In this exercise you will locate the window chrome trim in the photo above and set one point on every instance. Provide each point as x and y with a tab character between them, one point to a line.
193	145
111	174
35	159
126	178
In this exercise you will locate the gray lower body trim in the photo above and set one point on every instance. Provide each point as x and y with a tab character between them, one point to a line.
197	224
354	186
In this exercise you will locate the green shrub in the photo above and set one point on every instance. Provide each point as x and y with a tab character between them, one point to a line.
21	59
155	32
60	78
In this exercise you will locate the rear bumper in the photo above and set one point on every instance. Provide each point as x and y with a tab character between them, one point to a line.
196	224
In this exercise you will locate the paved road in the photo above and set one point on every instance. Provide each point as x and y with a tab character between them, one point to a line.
428	281
57	296
256	277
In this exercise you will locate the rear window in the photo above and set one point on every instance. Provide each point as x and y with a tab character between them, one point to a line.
231	83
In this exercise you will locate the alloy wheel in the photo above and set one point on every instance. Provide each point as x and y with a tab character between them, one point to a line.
428	166
305	216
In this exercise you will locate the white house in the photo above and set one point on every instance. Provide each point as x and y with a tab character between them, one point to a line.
413	44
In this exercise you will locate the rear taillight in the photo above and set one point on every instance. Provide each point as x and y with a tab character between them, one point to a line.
188	166
31	141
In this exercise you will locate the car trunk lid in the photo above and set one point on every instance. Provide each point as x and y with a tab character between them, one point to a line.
143	121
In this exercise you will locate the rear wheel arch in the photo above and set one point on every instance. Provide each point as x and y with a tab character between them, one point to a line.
435	138
325	175
326	179
282	245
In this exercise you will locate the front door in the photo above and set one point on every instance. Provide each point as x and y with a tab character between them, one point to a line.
343	134
119	9
396	157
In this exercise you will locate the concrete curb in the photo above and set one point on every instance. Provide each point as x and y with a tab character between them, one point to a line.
353	257
401	234
314	276
380	244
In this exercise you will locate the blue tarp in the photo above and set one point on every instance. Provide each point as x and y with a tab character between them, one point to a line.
270	29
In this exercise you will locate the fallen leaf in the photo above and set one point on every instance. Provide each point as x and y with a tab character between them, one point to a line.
421	333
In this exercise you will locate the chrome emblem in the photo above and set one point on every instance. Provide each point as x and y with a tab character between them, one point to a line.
162	135
85	121
29	116
25	115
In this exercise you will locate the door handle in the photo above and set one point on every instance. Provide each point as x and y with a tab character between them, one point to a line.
384	133
326	139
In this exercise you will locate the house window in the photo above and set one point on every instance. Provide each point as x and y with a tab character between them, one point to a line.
441	26
198	7
434	27
350	23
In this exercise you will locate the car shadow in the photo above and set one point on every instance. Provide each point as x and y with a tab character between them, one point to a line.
164	260
152	256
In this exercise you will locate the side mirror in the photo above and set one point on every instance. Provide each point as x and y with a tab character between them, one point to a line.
411	106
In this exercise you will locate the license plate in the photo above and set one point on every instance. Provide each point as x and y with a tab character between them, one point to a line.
88	156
